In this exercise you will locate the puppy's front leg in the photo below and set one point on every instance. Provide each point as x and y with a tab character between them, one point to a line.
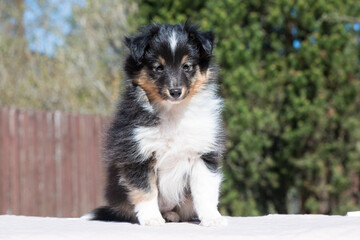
205	185
143	194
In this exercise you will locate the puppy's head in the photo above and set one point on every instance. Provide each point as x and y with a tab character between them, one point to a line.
169	62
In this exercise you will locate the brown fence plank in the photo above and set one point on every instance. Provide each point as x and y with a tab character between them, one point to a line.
25	168
36	161
85	168
66	167
82	166
92	161
58	162
31	176
41	133
22	133
4	167
74	165
98	165
50	163
14	186
50	174
79	173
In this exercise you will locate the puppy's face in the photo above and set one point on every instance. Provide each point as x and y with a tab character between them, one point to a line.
171	61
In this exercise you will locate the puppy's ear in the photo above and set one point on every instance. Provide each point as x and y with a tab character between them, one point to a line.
137	46
138	43
206	40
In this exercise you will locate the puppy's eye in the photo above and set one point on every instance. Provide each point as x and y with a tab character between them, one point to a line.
187	67
158	69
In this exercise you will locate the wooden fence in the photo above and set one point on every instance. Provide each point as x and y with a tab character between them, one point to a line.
50	163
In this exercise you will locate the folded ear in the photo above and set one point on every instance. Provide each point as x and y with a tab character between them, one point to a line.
205	40
137	46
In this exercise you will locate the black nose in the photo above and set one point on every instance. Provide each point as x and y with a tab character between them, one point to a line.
175	92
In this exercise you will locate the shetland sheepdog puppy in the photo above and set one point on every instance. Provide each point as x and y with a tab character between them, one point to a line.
164	145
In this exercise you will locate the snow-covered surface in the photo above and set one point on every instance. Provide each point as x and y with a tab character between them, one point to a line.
353	214
277	227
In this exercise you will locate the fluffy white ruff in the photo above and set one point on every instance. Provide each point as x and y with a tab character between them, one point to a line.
186	130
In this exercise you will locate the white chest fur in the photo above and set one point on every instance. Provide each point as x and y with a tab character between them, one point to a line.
184	132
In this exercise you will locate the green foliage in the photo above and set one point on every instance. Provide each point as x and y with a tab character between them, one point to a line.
292	114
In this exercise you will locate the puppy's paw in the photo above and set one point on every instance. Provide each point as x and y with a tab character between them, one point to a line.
148	213
214	221
151	221
171	217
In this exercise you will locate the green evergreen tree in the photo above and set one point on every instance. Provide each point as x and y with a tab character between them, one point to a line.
291	80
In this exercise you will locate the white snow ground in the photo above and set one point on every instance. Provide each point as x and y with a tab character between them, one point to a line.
289	227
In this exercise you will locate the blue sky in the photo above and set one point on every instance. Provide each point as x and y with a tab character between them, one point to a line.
40	39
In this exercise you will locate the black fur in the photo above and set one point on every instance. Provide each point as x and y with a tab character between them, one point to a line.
108	214
211	160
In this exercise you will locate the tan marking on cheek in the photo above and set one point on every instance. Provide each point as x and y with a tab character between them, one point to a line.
184	59
199	80
161	60
151	90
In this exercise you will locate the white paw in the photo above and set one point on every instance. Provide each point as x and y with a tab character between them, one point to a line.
152	221
148	213
217	221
